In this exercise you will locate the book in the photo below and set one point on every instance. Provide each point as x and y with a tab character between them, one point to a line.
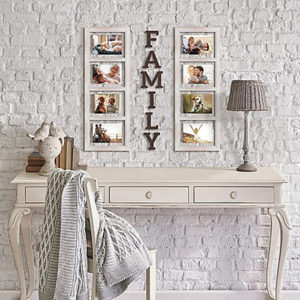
65	158
69	154
62	156
31	162
34	162
35	159
33	168
35	156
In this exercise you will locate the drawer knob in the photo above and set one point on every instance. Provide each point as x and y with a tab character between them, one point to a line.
148	195
233	195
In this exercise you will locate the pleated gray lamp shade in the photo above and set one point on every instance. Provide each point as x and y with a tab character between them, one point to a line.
247	95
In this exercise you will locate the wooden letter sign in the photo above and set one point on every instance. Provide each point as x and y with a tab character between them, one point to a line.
148	81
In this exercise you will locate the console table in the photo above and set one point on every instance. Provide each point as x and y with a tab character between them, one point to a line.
164	187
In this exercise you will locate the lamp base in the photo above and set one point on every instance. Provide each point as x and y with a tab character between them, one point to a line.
246	167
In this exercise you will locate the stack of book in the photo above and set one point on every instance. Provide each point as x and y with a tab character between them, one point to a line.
34	162
63	161
65	158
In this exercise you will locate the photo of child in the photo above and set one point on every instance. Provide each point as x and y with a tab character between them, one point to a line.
200	133
198	44
197	103
198	74
107	73
106	103
107	133
107	44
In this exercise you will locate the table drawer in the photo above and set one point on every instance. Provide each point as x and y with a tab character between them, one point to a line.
35	194
233	194
148	194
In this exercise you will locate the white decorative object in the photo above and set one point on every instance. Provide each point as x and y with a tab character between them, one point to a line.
41	133
49	148
56	131
167	187
51	139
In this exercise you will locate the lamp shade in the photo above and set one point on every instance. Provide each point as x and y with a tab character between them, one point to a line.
247	95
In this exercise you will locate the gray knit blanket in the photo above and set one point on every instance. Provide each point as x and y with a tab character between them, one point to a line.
121	255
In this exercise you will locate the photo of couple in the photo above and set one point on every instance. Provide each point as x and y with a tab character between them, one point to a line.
106	103
107	73
198	44
107	133
194	74
197	103
107	44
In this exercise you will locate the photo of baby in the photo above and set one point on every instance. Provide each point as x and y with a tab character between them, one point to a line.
197	103
107	133
107	44
106	103
200	133
198	44
107	73
198	74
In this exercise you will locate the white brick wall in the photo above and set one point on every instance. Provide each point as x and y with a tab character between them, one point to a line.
41	79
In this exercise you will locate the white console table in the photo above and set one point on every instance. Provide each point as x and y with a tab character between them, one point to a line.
164	187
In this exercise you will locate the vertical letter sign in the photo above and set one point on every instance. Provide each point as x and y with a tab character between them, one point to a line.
151	81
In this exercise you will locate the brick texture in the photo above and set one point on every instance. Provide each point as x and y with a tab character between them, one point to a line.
41	78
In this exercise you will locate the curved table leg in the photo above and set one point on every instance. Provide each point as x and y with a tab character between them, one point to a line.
280	228
25	228
14	239
274	238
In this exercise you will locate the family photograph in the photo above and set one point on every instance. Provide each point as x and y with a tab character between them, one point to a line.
107	44
106	103
198	74
107	133
197	103
200	133
107	73
198	44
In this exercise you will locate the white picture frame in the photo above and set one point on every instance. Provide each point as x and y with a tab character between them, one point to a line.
91	58
204	58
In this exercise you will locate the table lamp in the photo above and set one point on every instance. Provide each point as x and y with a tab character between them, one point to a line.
247	95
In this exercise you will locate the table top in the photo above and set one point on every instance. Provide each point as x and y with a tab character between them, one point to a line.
192	175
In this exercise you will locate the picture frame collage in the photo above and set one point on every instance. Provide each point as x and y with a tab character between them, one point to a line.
107	81
197	86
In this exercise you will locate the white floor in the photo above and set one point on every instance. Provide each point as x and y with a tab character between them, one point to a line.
184	295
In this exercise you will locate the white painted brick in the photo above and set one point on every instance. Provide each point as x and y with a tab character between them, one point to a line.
263	241
194	275
173	274
17	120
259	265
244	264
290	38
295	265
41	79
227	264
254	253
263	220
223	276
25	108
17	86
238	286
252	276
246	242
211	241
4	108
260	231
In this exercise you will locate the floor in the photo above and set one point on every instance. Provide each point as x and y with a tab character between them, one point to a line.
183	295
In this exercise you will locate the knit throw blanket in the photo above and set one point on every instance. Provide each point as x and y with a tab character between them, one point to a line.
120	253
